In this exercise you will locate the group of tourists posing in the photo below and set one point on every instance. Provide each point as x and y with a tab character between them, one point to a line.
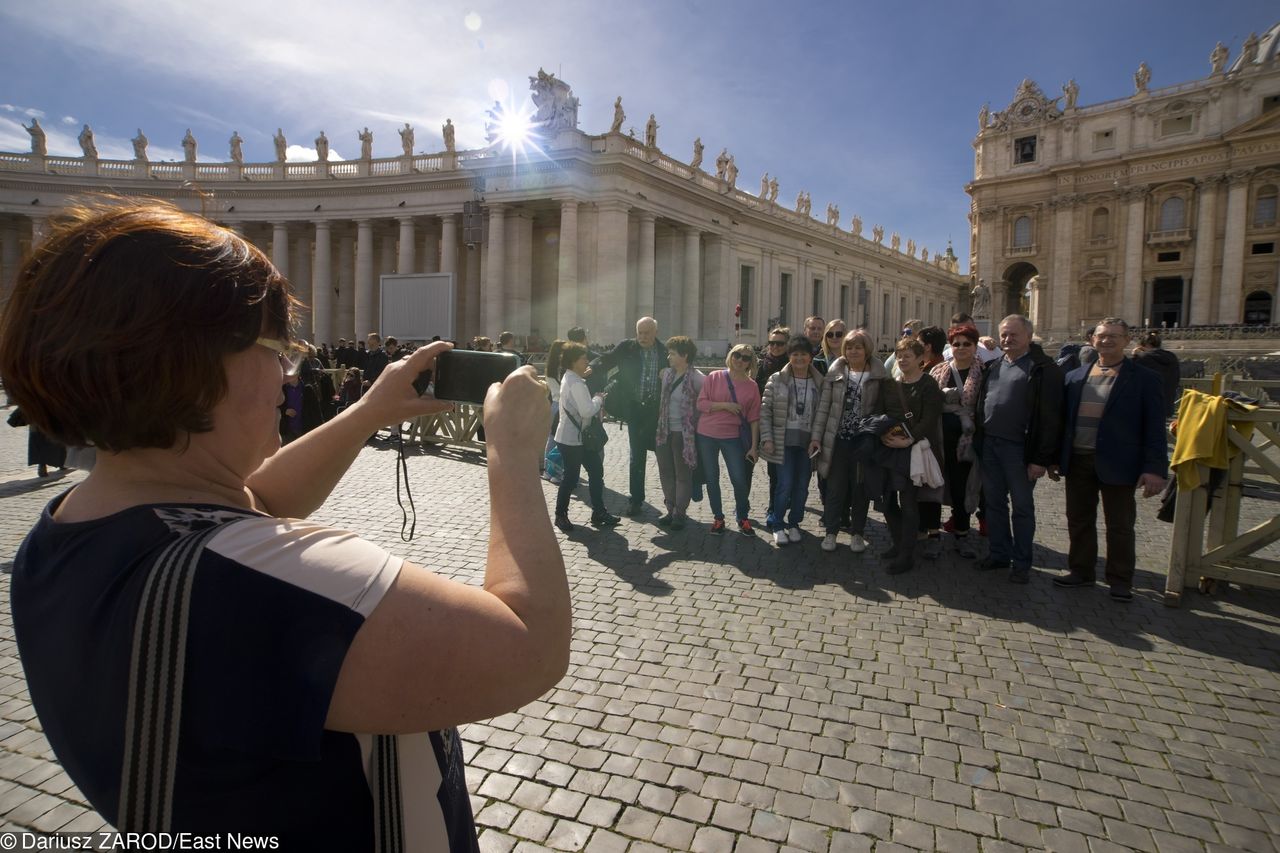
944	420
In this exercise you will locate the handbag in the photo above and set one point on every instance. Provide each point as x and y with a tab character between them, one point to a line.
592	436
744	426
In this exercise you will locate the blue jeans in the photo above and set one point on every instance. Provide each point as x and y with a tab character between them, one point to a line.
1004	478
793	488
735	459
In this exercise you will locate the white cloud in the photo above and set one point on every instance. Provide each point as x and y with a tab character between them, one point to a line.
70	120
303	154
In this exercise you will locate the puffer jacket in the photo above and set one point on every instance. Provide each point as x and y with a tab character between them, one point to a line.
831	404
774	405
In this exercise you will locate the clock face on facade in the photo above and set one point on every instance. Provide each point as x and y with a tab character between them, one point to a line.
1026	109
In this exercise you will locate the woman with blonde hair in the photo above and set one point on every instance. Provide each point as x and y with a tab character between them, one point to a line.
729	426
832	337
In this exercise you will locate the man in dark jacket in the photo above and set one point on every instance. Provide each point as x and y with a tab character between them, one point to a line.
1018	435
1114	441
1151	355
634	397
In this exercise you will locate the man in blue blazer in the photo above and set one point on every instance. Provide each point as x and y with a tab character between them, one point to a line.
1114	442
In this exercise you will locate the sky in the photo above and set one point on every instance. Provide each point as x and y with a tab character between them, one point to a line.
869	105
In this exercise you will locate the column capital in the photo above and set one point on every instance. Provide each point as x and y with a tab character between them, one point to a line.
404	220
645	215
322	223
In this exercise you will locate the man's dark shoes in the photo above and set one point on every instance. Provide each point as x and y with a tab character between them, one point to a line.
1071	580
1020	576
604	519
986	564
1121	592
563	522
890	553
897	567
677	523
635	508
666	520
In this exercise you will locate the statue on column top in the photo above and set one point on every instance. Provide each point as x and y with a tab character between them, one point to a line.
237	147
773	189
911	248
281	145
651	132
1071	92
86	143
618	116
895	241
450	143
924	254
722	163
1141	78
833	214
1249	50
366	143
984	116
406	139
1218	58
808	204
39	146
731	172
189	147
764	187
800	202
981	295
877	234
140	146
322	148
857	225
696	162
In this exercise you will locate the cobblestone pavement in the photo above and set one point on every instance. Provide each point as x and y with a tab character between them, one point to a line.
726	695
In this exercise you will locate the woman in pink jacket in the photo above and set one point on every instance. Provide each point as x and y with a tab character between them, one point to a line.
730	427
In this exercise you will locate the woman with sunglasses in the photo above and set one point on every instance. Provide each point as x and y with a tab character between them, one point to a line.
959	380
729	427
250	668
851	392
830	350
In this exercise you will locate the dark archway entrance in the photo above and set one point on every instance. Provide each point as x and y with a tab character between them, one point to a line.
1167	302
1016	298
1257	308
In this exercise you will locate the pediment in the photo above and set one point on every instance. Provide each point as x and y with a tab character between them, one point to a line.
1268	122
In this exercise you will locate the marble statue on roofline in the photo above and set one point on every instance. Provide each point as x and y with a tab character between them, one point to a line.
984	116
1071	92
696	162
406	139
87	144
833	214
877	234
651	132
1218	58
39	146
189	147
556	107
764	187
856	227
366	143
282	146
773	189
731	172
450	141
722	163
322	147
1249	50
140	143
237	147
618	116
895	241
924	254
1141	78
911	248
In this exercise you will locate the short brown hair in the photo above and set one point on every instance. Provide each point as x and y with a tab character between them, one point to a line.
905	344
684	346
569	355
119	323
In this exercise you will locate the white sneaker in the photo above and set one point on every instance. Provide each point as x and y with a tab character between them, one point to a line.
793	533
780	538
829	542
858	544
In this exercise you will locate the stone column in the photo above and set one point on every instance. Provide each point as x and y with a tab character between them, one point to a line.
365	322
404	261
567	267
345	322
448	244
1038	290
322	287
1063	280
10	258
645	266
1230	296
431	245
300	278
1135	239
280	247
610	323
691	314
519	275
1206	234
38	229
495	280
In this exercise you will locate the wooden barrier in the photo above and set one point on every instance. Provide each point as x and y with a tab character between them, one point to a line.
457	428
1225	554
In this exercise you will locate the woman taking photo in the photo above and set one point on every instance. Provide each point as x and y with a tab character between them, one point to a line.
851	391
577	411
959	380
676	438
915	403
287	664
729	427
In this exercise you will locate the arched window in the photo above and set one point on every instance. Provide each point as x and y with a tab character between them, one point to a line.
1101	226
1022	232
1257	308
1264	210
1173	214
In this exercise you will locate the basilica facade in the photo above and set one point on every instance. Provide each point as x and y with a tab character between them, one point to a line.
1159	207
595	230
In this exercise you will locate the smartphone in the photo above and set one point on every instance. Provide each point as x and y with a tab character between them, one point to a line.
464	376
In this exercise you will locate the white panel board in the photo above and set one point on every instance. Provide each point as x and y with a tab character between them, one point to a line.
418	307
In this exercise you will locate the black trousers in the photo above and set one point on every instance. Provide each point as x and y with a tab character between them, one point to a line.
1119	509
641	430
846	496
902	514
576	457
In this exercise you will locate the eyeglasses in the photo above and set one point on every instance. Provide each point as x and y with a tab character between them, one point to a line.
1106	337
289	353
834	334
742	356
777	343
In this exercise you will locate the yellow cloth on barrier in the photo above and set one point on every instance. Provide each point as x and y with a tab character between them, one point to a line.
1202	435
